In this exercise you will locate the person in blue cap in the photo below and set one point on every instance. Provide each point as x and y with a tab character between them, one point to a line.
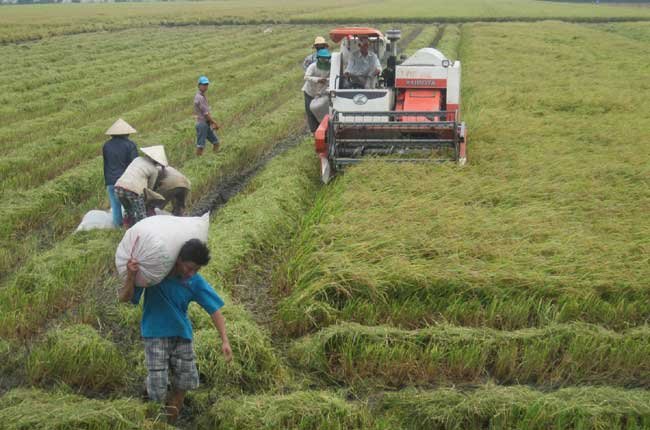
316	83
205	123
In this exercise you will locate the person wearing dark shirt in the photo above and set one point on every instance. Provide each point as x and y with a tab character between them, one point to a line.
118	152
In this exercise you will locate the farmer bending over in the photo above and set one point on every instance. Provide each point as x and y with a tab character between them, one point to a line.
142	173
174	187
166	328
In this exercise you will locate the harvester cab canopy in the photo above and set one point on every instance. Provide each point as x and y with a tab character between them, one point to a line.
339	34
349	39
410	113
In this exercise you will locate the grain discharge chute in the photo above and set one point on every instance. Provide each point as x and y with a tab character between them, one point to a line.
410	113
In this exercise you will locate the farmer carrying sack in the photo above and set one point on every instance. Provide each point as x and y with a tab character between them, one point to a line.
155	243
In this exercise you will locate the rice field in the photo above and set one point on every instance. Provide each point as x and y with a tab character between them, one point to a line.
508	293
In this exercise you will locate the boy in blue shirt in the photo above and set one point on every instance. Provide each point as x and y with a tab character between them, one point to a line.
166	328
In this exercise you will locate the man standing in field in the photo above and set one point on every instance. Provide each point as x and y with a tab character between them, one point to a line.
118	152
205	124
166	328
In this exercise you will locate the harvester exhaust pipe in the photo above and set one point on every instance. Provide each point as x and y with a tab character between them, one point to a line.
389	74
393	36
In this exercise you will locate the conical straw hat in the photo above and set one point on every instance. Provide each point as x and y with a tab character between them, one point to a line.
156	153
120	127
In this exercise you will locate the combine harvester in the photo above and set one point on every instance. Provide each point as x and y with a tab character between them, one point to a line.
411	113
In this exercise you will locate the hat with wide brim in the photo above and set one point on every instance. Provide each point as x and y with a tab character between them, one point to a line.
320	40
120	127
156	153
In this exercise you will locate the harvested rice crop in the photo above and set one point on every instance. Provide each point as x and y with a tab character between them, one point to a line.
78	356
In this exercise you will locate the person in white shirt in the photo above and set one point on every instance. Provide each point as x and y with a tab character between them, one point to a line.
316	84
363	67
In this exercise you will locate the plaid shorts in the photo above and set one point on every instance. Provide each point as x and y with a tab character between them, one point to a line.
169	353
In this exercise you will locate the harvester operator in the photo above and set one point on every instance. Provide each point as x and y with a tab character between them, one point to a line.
316	84
363	67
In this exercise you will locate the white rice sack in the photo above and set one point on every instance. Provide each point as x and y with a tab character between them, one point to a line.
155	243
320	107
96	219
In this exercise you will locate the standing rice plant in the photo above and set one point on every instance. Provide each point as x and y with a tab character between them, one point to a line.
545	220
471	11
42	21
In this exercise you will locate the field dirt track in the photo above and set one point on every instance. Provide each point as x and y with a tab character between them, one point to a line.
508	293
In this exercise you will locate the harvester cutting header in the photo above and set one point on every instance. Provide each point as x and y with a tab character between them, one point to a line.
408	111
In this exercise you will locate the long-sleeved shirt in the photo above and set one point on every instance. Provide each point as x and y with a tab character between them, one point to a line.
309	60
118	152
201	107
313	75
142	173
170	180
363	65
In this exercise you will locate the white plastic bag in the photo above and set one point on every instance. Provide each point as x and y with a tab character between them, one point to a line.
320	107
155	243
96	219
